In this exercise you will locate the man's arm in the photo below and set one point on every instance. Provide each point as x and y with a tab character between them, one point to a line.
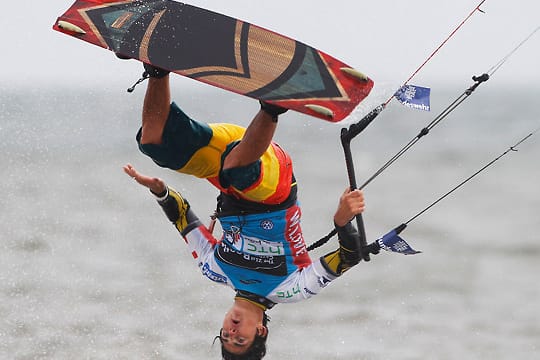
200	242
176	208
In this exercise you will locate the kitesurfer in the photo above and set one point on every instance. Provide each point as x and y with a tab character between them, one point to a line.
261	253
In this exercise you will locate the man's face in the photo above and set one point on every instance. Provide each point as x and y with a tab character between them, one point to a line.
239	330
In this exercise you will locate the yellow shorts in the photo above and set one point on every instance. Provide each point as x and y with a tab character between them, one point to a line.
198	149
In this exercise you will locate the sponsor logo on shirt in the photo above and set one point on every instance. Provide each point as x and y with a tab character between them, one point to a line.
270	263
250	282
267	225
212	275
289	293
309	291
324	281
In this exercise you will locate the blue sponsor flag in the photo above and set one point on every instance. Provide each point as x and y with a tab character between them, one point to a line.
415	97
393	242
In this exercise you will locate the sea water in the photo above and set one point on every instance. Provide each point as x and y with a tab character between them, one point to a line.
91	269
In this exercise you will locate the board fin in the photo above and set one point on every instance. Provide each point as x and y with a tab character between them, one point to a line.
64	25
321	110
354	73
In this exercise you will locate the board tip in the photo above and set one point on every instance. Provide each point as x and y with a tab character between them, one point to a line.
354	73
64	25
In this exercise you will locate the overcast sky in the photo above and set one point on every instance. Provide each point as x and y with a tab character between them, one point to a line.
386	39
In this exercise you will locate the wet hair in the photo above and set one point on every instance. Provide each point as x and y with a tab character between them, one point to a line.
256	351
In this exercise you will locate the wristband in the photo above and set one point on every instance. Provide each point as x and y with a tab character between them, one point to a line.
161	196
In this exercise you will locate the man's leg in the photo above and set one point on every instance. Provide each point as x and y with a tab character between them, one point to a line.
156	108
257	138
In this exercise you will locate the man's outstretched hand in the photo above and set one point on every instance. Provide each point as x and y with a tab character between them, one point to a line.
156	185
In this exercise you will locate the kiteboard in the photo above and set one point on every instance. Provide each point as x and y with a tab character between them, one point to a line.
221	51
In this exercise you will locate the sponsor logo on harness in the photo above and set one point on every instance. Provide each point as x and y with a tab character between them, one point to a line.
267	225
212	275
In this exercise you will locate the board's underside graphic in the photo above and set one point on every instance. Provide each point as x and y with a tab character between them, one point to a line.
221	51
